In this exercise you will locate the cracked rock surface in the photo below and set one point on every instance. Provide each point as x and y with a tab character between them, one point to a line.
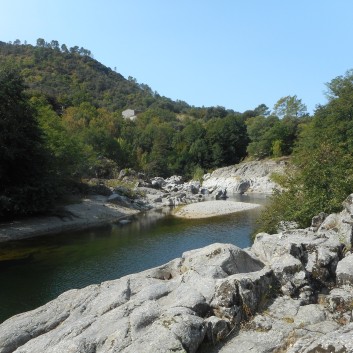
165	309
312	312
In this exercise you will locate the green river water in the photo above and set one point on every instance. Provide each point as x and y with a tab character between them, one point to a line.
47	266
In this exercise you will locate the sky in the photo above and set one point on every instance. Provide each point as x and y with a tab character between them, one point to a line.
232	53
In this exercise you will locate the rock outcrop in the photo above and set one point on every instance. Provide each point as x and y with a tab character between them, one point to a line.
172	308
241	178
290	292
313	309
245	177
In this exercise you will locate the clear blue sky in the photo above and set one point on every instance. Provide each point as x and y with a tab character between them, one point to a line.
233	53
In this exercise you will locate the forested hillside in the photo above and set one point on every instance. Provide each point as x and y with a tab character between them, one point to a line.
84	99
69	77
76	103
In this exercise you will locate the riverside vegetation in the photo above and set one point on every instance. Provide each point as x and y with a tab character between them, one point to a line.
61	122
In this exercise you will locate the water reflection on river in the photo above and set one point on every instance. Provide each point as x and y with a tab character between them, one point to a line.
48	266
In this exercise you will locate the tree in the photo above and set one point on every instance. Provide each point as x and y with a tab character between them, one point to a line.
277	149
317	182
40	42
74	50
289	106
159	156
64	49
260	132
340	86
69	155
54	45
23	159
321	174
102	135
198	152
84	52
271	136
333	122
215	112
228	136
262	109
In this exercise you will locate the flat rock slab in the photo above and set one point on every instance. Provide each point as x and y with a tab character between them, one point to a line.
161	310
212	208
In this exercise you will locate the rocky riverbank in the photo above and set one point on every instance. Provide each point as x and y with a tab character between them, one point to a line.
290	292
111	204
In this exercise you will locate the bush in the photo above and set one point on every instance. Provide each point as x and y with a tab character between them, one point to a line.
317	182
198	174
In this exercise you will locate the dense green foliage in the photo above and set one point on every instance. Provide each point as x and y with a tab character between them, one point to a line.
61	119
321	175
79	103
25	186
276	134
71	77
271	136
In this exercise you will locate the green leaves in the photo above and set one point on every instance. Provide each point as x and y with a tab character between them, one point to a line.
289	107
25	183
321	174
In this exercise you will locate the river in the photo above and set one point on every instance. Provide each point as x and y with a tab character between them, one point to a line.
44	267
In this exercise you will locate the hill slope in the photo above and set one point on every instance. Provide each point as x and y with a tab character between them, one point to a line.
79	99
70	78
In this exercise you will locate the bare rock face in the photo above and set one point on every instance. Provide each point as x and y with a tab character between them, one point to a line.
166	309
245	177
238	179
303	261
284	327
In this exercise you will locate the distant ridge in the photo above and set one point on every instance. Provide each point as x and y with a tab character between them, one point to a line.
71	77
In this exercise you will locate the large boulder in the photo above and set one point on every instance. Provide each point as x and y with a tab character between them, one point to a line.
303	261
341	223
158	182
220	194
220	261
169	308
344	271
175	179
